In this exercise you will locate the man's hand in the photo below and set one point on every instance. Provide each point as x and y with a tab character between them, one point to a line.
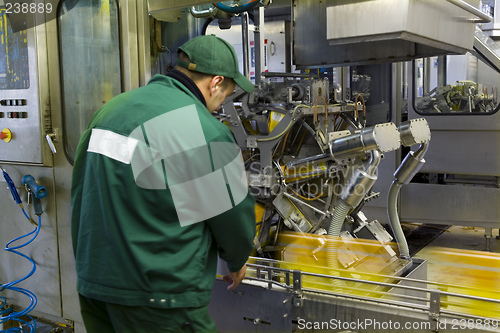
234	278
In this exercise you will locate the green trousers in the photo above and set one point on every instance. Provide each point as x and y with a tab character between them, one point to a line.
102	317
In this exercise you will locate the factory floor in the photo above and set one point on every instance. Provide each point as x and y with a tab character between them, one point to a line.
464	238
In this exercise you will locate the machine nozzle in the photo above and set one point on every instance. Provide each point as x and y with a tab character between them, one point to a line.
39	191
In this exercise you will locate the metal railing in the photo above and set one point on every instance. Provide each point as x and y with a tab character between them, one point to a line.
434	304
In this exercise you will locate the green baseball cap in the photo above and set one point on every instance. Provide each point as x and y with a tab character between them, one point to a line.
210	54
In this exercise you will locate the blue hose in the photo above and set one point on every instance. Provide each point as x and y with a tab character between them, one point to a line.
236	9
9	314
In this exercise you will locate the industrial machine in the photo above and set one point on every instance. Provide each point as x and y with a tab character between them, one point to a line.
464	96
312	175
336	141
310	164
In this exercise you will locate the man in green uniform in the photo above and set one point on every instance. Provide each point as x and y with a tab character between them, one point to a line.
158	189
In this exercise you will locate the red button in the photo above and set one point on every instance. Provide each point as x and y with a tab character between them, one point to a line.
6	135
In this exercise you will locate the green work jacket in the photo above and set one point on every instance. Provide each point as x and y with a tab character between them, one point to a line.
158	189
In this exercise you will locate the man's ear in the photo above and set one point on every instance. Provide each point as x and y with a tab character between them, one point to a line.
215	83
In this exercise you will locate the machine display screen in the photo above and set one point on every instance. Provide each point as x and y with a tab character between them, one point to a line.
14	68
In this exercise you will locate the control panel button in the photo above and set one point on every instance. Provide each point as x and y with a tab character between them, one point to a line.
6	135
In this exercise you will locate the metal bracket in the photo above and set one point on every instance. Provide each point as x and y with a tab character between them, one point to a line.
252	143
297	288
434	307
260	180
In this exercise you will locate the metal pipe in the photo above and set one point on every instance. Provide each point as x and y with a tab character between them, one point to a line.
392	211
315	158
192	26
259	47
245	42
210	12
411	164
484	18
420	152
361	181
352	195
371	166
382	137
427	76
403	175
291	197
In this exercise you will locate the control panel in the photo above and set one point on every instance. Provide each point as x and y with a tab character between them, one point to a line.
23	122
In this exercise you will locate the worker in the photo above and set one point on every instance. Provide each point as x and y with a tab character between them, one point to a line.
158	192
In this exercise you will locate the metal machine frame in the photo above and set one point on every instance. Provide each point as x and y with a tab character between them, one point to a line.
275	300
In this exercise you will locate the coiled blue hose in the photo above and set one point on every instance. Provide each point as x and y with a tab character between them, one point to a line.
9	314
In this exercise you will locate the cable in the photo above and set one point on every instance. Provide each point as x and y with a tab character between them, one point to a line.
304	198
